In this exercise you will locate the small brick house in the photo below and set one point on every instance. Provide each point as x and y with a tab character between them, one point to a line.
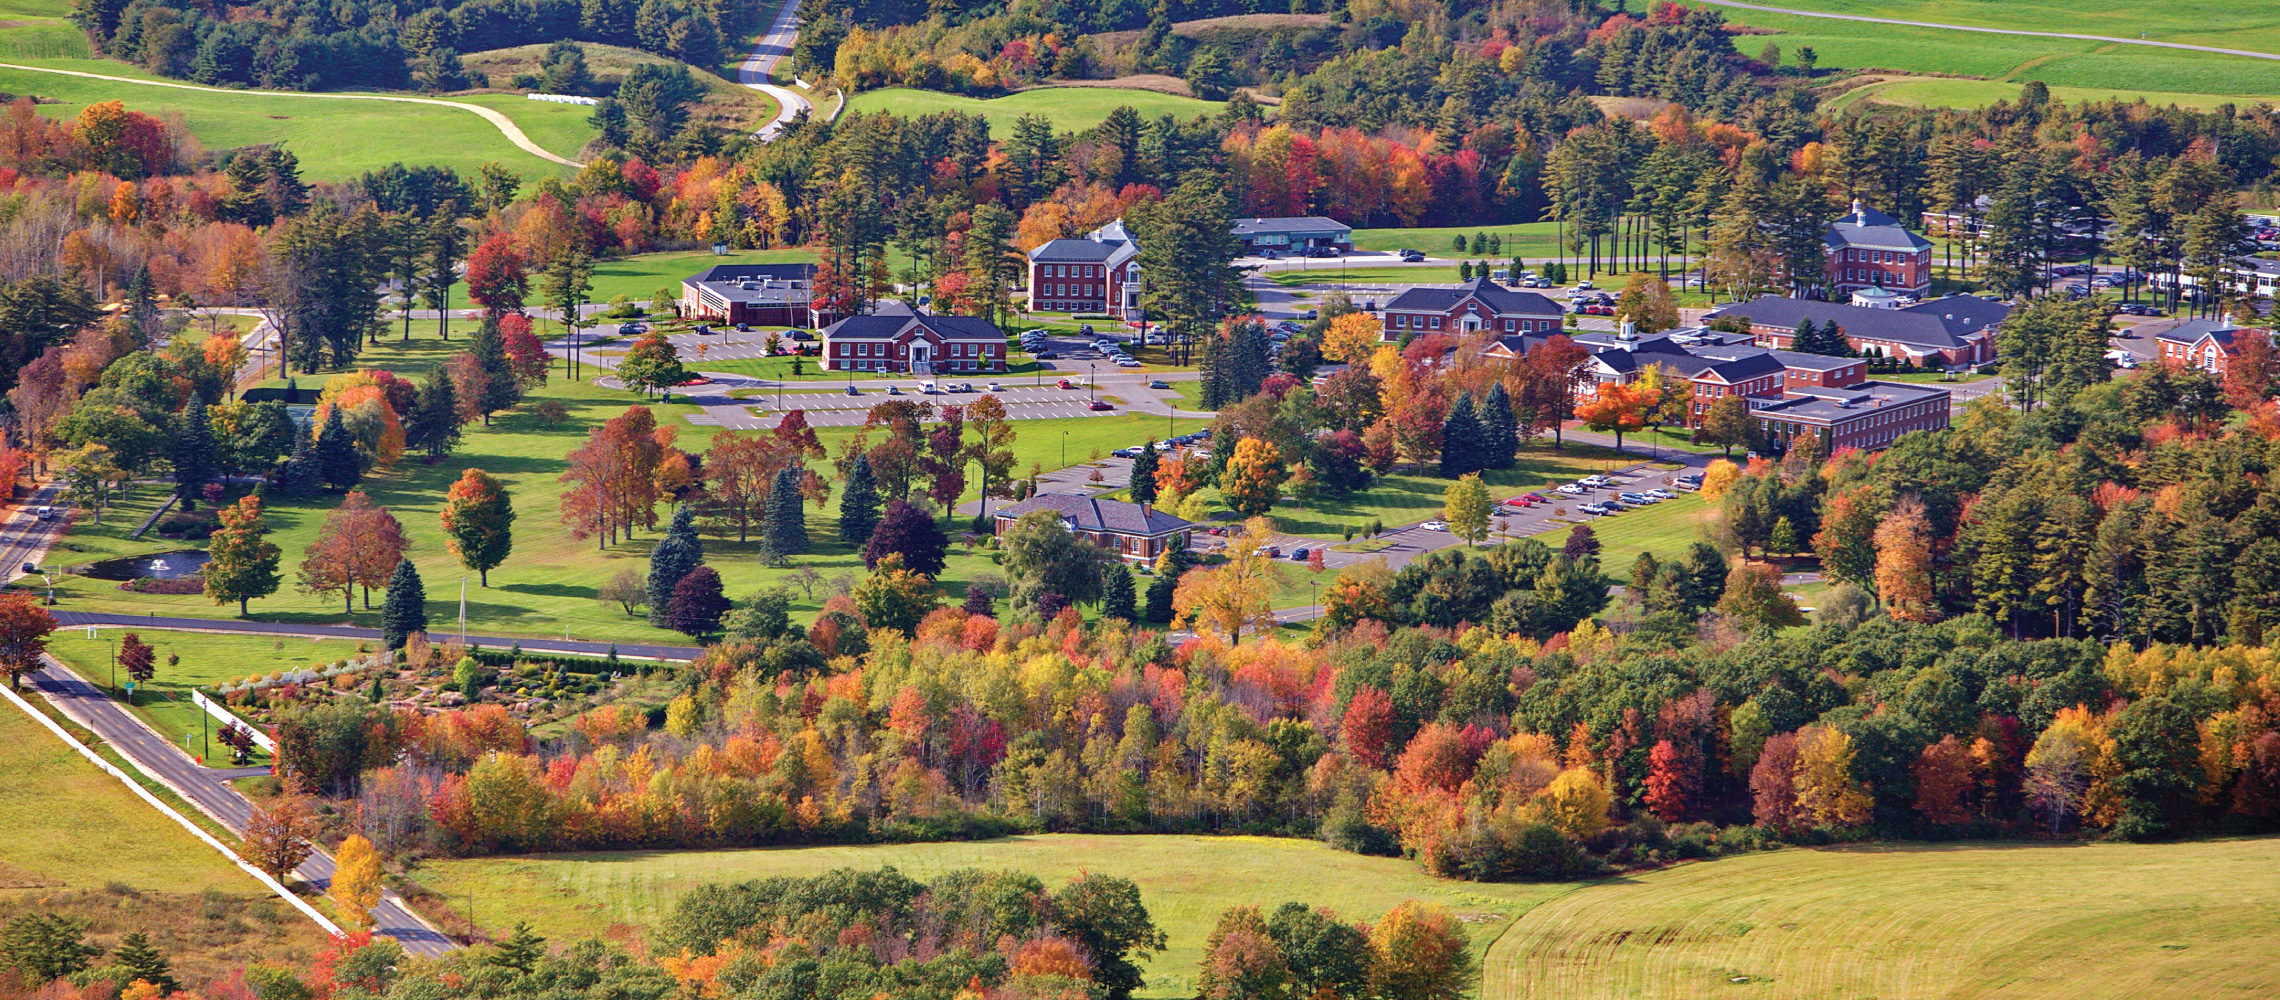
2207	344
1869	249
922	345
1136	532
1478	306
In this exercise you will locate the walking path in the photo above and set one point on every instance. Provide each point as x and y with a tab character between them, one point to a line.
1995	31
505	125
759	67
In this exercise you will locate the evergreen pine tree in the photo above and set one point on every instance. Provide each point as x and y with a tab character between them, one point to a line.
859	504
337	461
1143	488
142	961
433	423
1461	440
1499	429
785	533
520	952
1116	594
192	452
500	388
405	609
1834	339
1159	608
1806	338
674	556
978	601
300	478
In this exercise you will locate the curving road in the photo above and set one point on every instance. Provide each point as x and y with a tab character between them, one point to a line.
1994	31
758	67
505	125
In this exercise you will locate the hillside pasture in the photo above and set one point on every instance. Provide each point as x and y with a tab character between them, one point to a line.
2231	24
1914	922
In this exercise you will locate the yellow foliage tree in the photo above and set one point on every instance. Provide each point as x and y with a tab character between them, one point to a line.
356	880
1824	781
1234	595
1422	954
1575	803
1718	478
1466	504
1352	338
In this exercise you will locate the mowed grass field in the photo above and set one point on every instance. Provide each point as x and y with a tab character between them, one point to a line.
1407	496
2234	24
1914	922
67	823
1185	882
1072	109
1530	241
547	586
1666	529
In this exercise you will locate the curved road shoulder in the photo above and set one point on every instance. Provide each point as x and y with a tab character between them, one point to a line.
759	67
1993	31
505	125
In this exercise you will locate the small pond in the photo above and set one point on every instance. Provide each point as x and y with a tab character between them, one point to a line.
159	566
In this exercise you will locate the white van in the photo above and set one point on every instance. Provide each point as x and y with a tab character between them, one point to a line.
930	388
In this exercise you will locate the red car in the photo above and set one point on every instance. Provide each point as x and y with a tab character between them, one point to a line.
1102	404
1536	498
1066	384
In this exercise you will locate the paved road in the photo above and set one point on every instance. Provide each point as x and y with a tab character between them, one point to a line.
504	124
209	789
758	67
1995	31
83	619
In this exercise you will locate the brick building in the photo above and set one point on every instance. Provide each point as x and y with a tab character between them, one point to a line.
1136	532
1480	305
757	294
1097	274
1869	249
924	346
2207	344
1951	332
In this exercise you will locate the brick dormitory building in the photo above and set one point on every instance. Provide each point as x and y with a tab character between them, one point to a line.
895	339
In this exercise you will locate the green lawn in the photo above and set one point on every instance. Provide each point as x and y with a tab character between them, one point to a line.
1914	922
1406	497
640	276
1331	273
1665	529
1072	109
208	660
1185	882
1529	240
69	824
335	139
2233	24
1943	93
546	587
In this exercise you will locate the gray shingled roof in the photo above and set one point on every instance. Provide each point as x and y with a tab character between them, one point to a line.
1077	251
1867	227
753	272
2193	330
1940	324
1095	514
1504	301
1826	405
888	327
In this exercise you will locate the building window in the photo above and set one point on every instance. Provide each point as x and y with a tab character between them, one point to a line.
1400	322
1436	322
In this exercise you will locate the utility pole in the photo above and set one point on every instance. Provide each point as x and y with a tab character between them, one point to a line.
463	610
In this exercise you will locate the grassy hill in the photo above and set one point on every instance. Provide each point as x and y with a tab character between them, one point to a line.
1914	922
1185	882
1071	108
2232	24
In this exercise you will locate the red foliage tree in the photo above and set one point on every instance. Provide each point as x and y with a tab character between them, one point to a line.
1671	782
1944	781
495	278
1368	727
526	357
1773	784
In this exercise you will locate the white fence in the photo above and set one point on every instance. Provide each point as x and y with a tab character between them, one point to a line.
563	99
215	709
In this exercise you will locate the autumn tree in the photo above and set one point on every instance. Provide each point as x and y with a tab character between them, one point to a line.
495	276
1254	477
1422	954
652	365
356	881
1241	959
358	546
1466	505
1754	595
1824	779
1234	595
241	564
1618	408
911	533
277	835
1647	304
1904	563
24	631
741	468
1944	781
697	604
478	522
140	660
893	597
1352	338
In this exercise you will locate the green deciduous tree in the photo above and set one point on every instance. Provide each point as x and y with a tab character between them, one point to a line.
478	522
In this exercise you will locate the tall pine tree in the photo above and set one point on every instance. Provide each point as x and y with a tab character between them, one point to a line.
1117	599
673	557
301	477
1499	429
859	503
405	609
1144	474
337	461
785	532
433	423
501	390
1462	442
192	452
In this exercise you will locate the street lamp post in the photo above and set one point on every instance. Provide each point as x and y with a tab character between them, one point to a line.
1064	449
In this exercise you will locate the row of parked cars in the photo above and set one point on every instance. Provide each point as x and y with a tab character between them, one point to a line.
1168	444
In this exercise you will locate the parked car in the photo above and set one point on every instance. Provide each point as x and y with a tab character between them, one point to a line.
1596	509
1065	384
1132	452
1413	258
894	391
1310	314
1102	404
852	391
994	387
1299	555
1661	494
1046	356
1435	526
1584	285
1536	497
1157	383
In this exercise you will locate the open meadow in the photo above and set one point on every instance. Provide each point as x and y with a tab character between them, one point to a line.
2232	24
2172	921
208	660
1072	109
1185	882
